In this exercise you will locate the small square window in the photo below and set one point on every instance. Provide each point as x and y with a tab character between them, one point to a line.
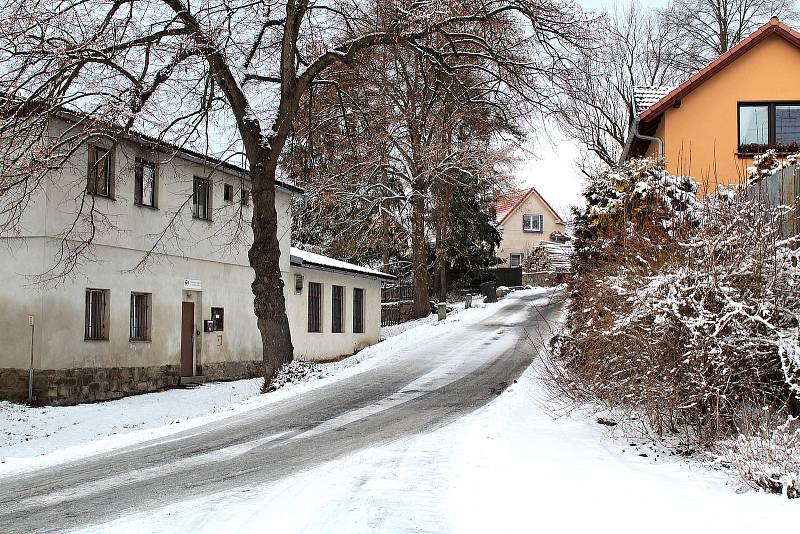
218	319
515	260
227	192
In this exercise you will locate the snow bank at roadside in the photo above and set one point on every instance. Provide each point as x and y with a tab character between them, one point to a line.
507	467
34	438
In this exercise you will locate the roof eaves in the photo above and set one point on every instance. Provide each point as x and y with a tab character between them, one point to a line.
773	27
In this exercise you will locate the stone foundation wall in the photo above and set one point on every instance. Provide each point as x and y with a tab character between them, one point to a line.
58	387
61	387
232	370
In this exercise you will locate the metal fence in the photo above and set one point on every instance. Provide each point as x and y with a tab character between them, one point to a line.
390	314
396	293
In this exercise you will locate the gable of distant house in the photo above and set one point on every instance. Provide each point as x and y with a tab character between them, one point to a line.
525	219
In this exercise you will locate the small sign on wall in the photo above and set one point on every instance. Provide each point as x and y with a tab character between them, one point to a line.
192	285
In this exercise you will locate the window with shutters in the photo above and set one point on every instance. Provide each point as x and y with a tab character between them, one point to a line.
358	311
314	307
96	324
337	311
140	316
144	193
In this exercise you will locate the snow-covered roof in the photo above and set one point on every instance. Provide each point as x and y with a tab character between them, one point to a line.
645	95
303	258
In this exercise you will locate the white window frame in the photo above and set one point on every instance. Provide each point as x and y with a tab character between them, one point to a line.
511	259
527	223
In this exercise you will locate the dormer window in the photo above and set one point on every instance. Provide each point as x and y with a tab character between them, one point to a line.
532	223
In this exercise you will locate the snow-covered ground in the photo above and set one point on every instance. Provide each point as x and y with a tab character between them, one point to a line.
508	467
33	438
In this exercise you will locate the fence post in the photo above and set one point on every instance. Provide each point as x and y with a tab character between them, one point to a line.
442	310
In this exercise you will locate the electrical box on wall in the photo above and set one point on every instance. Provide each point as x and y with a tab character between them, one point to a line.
208	325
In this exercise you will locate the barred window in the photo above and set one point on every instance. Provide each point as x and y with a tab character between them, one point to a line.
140	316
314	307
96	325
337	311
358	311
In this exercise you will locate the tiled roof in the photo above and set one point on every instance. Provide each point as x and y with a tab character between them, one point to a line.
773	27
503	206
645	96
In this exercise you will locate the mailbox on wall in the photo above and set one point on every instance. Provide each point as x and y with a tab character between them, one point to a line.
208	325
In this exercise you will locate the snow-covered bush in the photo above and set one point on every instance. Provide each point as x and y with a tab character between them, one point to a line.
684	311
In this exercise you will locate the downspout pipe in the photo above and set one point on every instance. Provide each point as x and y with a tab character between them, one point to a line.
651	138
636	133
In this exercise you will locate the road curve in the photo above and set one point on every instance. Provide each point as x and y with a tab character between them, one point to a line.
433	383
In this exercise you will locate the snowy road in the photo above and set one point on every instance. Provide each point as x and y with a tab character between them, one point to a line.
432	382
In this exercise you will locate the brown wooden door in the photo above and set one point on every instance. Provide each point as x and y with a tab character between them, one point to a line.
187	339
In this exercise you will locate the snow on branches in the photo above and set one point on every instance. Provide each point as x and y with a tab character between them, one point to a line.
685	310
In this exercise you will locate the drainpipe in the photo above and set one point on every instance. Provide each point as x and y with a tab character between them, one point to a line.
30	369
636	133
657	140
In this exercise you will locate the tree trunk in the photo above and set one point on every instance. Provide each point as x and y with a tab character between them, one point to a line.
269	302
419	253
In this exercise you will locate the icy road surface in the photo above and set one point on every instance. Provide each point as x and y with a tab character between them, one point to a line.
428	382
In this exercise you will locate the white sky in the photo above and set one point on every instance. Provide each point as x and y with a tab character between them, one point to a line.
549	160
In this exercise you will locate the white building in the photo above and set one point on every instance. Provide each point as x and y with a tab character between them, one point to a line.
107	331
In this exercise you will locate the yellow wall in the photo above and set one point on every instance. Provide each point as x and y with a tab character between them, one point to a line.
701	136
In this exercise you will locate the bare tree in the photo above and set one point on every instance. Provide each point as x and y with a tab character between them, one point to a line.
422	133
706	29
231	69
638	48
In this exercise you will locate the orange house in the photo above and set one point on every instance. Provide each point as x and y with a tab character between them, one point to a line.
743	103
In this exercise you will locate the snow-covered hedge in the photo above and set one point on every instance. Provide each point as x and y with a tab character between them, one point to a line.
684	310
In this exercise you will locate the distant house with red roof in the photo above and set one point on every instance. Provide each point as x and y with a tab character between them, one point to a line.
525	220
741	104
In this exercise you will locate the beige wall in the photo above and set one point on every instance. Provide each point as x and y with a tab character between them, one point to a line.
701	136
327	345
515	239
